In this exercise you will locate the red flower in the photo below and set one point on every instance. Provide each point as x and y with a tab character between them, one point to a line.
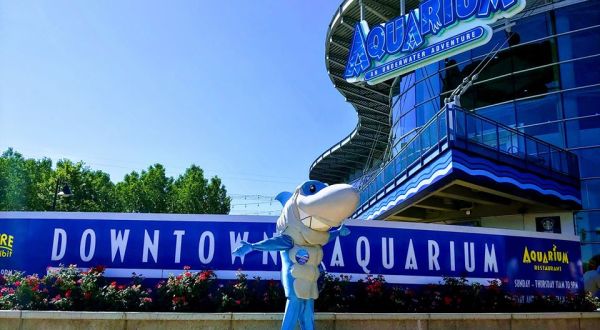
187	274
447	300
98	269
113	284
238	302
121	287
147	300
17	283
68	294
87	295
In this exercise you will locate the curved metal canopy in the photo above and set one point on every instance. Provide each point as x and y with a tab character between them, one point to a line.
367	143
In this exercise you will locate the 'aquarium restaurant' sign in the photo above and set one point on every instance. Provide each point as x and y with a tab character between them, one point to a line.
437	29
156	245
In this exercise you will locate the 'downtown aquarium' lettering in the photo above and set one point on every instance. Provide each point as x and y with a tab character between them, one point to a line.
156	245
435	30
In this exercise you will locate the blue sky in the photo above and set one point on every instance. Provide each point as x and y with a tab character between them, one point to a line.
237	87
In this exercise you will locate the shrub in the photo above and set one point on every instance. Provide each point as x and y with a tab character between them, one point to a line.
188	291
69	288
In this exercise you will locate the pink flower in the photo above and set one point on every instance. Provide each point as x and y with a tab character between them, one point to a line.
68	294
147	300
17	283
113	284
187	267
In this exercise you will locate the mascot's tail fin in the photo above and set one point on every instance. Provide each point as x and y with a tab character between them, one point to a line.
283	197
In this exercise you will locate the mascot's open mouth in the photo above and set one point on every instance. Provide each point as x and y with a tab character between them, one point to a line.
318	224
327	207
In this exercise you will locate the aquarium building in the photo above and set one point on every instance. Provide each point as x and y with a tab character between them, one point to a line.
455	129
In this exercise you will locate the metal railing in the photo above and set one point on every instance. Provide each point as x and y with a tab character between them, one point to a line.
456	128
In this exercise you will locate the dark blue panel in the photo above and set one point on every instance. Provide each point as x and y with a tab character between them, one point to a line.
588	162
577	16
539	110
503	113
590	193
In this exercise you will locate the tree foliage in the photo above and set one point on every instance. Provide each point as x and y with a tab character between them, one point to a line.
30	185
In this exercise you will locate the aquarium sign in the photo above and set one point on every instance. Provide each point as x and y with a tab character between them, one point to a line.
437	29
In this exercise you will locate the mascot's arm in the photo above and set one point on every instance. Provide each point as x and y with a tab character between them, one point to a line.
277	243
340	232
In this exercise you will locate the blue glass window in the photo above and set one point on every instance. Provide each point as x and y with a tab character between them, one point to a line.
577	16
581	72
503	113
531	28
538	110
590	193
588	162
581	102
578	44
498	39
552	133
584	132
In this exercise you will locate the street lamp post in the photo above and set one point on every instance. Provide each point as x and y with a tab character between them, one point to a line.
64	192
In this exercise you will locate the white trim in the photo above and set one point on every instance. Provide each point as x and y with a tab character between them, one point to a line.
458	229
136	216
272	219
411	191
413	279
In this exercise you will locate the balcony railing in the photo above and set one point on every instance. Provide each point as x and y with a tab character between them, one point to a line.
456	128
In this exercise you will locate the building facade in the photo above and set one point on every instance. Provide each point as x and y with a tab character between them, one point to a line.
518	148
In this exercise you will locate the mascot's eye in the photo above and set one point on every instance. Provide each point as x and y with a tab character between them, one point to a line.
312	189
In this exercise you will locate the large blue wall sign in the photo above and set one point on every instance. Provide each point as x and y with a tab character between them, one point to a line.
435	30
158	245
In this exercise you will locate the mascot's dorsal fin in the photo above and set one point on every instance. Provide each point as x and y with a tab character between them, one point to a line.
283	197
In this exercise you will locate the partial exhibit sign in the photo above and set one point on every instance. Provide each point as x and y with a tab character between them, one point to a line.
436	30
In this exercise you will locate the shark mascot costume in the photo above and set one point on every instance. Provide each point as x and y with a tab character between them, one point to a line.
304	227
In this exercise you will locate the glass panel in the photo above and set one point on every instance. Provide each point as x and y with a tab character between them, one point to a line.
588	162
579	44
579	73
531	28
590	193
552	133
570	18
498	39
489	137
538	110
534	54
535	82
474	129
543	154
459	127
390	172
556	159
584	132
583	102
426	111
504	113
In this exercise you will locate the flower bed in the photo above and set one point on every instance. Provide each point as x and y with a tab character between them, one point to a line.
68	288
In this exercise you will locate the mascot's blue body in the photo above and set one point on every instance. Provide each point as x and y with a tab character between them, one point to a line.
304	227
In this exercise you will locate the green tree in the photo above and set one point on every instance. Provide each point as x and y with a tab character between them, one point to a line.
24	182
218	201
30	185
189	192
192	193
92	191
147	192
